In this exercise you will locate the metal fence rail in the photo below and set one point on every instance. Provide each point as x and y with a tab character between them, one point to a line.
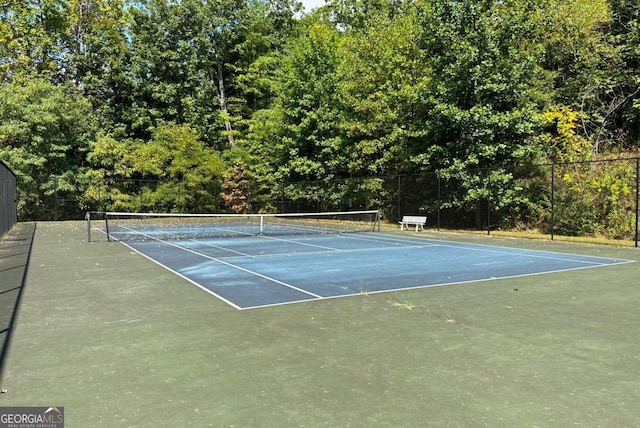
8	199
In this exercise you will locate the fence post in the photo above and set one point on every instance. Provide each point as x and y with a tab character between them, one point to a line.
553	175
282	207
55	198
637	196
439	199
399	196
489	202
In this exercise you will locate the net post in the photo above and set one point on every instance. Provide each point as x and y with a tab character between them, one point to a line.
376	225
87	217
261	225
106	226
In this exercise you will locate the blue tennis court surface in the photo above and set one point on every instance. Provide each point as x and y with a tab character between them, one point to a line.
258	271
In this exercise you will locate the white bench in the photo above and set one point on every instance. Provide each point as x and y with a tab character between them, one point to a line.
417	221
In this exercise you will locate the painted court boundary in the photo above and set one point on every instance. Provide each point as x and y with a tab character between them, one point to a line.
411	242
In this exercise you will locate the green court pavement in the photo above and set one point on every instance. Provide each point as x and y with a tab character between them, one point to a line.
118	341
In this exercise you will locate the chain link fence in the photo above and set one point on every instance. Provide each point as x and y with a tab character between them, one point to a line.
594	198
591	198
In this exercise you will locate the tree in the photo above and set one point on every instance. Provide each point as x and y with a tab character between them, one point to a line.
310	143
169	82
45	131
98	57
625	36
361	14
236	191
173	172
308	102
483	100
261	152
586	67
32	35
382	78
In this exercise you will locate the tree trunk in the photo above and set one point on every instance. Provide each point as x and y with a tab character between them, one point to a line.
223	107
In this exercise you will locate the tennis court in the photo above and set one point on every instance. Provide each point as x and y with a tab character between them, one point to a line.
103	332
259	267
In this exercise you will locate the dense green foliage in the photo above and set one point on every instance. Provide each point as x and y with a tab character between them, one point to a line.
251	104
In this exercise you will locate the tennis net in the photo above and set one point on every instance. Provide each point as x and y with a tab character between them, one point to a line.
122	226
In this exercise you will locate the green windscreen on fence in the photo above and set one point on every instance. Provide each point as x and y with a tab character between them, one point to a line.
8	207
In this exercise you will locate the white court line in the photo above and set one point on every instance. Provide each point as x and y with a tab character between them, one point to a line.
370	237
397	239
301	243
293	287
201	242
411	243
419	287
186	278
330	249
339	236
200	286
306	244
514	252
